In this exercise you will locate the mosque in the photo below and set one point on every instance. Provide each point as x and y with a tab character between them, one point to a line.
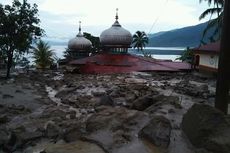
79	47
113	56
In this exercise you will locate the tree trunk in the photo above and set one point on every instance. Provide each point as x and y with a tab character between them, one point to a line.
9	63
223	78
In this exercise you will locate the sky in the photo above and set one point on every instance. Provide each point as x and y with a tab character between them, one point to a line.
59	18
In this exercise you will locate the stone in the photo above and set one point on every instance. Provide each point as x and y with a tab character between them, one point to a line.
160	100
116	127
11	144
72	135
3	137
208	128
120	101
130	97
106	100
98	93
65	91
27	136
157	131
20	107
74	147
185	87
4	119
52	130
143	102
6	96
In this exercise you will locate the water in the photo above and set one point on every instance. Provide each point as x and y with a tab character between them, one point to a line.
163	57
156	52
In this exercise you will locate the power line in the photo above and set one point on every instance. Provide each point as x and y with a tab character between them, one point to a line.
156	20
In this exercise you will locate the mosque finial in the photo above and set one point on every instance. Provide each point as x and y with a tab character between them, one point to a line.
79	26
116	14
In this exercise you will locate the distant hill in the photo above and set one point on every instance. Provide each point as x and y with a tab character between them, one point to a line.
187	36
56	41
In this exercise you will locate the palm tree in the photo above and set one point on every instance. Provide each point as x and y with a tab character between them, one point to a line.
216	23
43	55
140	39
187	56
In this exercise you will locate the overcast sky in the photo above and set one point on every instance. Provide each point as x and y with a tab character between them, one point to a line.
60	18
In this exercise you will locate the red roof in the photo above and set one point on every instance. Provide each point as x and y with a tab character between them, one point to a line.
209	48
123	63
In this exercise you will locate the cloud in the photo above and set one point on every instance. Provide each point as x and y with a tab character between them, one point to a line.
62	16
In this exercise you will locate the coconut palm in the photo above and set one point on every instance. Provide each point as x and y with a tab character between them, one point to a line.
216	23
43	55
187	56
140	39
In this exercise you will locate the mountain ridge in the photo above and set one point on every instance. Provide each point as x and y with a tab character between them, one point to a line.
189	36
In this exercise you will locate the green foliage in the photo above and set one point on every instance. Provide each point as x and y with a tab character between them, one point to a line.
140	39
43	55
24	62
96	45
19	27
67	54
187	56
3	56
213	23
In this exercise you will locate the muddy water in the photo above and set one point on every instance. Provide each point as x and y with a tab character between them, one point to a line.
62	147
136	146
51	94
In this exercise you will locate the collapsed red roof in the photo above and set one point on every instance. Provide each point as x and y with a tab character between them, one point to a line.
124	63
209	48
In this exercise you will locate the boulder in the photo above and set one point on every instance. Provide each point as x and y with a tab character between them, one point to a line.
52	130
4	137
143	102
4	119
74	147
65	92
106	100
17	138
72	134
27	136
160	100
115	127
207	127
157	131
185	87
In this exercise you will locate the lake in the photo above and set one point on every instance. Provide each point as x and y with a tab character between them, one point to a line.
156	52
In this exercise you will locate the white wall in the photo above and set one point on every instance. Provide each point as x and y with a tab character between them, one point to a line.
209	60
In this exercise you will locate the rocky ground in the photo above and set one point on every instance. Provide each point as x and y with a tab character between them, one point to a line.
52	112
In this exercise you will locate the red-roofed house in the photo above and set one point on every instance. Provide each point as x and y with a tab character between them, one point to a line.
207	56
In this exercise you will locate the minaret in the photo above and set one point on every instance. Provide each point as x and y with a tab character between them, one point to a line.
116	14
116	23
79	33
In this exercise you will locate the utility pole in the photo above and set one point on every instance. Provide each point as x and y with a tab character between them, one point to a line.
223	78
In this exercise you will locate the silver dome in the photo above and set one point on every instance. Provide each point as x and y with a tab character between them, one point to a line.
79	43
116	35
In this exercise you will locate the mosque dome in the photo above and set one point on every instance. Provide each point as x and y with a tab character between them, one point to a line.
79	42
116	35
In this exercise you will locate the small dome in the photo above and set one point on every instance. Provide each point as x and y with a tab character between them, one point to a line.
79	42
116	36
